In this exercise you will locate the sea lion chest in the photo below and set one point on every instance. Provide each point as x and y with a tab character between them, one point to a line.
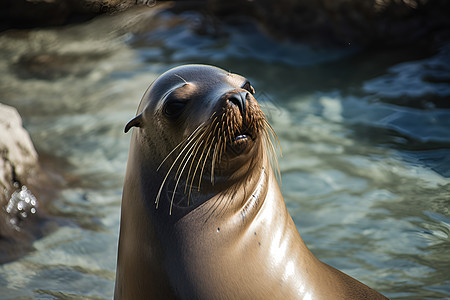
216	255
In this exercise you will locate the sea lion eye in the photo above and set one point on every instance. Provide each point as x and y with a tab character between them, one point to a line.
247	86
173	109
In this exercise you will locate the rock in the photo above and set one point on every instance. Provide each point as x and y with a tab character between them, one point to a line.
37	13
338	22
18	158
324	22
19	174
16	148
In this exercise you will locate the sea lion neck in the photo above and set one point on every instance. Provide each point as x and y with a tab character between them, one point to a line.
231	210
239	199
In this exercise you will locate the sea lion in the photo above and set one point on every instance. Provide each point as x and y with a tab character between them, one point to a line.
202	213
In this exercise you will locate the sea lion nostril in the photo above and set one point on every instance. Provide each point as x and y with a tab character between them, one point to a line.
240	100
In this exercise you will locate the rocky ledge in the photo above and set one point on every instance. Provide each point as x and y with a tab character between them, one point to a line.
374	23
371	23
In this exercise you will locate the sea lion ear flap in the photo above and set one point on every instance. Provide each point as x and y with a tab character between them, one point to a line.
135	122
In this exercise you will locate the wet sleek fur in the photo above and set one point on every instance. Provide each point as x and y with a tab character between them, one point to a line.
202	213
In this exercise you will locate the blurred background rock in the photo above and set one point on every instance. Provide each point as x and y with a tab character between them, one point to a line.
376	23
20	177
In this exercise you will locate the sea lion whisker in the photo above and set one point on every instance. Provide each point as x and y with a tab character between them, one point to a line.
196	167
181	78
274	134
214	153
272	152
213	164
158	196
170	153
223	123
176	147
204	162
222	148
229	131
186	155
189	172
224	143
192	137
271	135
179	177
182	152
268	142
198	146
206	141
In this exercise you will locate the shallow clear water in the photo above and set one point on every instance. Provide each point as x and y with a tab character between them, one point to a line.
365	140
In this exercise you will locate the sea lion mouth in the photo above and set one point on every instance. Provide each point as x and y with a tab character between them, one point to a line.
240	137
241	142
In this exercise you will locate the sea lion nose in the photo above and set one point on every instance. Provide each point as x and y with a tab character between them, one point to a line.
239	98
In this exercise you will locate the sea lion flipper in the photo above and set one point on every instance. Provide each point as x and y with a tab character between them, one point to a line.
135	122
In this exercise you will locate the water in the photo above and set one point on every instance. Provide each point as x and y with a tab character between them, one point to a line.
365	139
21	205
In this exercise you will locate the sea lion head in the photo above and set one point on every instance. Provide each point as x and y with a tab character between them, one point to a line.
202	129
